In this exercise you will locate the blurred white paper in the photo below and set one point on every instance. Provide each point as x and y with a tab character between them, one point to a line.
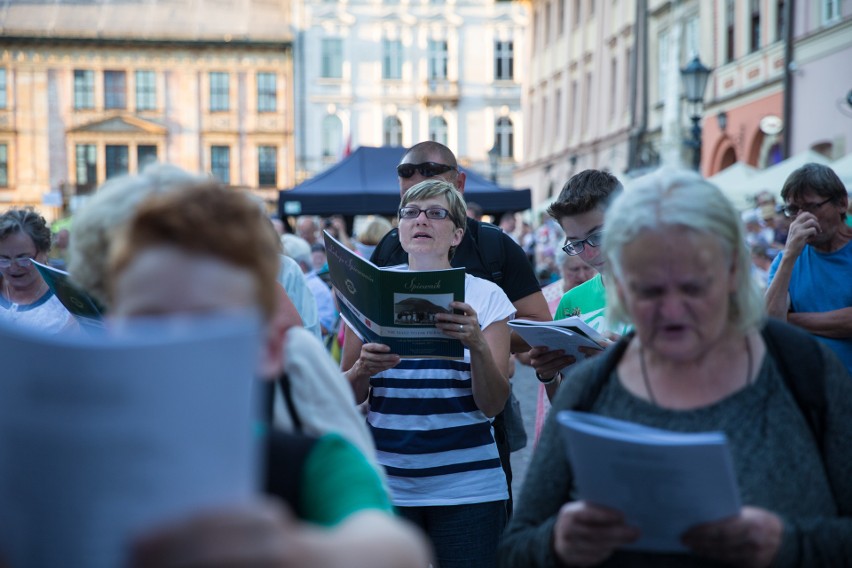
103	436
663	481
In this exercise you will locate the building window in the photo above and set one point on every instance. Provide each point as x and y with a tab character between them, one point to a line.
504	58
504	137
84	89
730	19
220	163
146	90
690	33
219	91
575	15
86	165
332	136
548	22
438	130
267	166
755	25
830	11
662	64
780	15
575	106
557	115
145	154
331	65
393	131
613	86
3	101
4	165
438	56
391	59
115	89
117	162
267	92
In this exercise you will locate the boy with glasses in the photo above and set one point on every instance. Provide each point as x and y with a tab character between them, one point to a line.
809	279
579	210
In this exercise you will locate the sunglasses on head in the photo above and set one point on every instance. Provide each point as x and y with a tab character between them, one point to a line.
426	169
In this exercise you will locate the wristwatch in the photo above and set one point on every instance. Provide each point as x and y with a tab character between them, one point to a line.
549	381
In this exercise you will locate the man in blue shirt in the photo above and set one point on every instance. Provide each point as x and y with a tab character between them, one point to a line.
809	281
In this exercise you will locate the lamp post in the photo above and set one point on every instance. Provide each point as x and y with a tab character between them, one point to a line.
694	77
493	156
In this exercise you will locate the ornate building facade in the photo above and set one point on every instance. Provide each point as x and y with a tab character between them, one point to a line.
91	90
380	73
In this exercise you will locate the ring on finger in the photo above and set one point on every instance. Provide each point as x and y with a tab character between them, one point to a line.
461	327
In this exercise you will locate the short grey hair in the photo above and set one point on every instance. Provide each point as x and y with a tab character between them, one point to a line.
298	249
678	198
98	222
436	187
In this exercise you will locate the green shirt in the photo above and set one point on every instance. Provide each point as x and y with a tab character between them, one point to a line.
338	481
588	302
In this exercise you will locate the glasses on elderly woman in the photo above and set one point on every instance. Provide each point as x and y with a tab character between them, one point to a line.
573	248
426	169
22	261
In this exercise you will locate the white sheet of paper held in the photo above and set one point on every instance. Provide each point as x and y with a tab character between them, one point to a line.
664	482
103	436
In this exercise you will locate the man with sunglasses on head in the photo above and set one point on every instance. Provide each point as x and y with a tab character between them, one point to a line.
579	210
809	280
485	251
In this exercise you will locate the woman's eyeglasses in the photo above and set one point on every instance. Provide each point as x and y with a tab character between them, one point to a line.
426	169
22	261
573	248
411	212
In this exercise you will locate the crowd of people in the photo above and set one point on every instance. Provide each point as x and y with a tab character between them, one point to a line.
373	459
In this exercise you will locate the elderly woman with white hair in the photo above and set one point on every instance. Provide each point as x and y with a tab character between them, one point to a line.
701	357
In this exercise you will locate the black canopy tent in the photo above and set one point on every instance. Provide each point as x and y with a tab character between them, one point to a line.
365	183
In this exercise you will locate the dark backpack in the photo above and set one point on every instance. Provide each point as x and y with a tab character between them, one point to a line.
488	245
796	353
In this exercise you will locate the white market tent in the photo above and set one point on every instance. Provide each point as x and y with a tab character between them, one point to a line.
772	178
843	169
734	181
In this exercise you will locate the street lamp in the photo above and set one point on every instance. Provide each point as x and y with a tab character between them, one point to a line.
493	156
694	77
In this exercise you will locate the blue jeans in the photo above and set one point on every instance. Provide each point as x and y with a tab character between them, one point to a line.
463	536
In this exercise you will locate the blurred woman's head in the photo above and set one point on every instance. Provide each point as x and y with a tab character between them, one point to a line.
107	211
214	230
677	213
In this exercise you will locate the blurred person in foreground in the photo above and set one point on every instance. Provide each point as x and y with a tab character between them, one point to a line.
431	418
809	281
313	397
698	360
206	249
25	298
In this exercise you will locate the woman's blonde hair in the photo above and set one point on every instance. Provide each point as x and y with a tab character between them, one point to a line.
683	199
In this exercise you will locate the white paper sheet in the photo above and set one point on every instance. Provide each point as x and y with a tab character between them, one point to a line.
664	482
103	436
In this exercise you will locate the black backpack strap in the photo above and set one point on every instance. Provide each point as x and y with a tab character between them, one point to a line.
287	393
387	248
489	245
800	361
605	362
286	455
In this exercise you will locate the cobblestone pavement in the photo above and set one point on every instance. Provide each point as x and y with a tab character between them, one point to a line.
525	387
